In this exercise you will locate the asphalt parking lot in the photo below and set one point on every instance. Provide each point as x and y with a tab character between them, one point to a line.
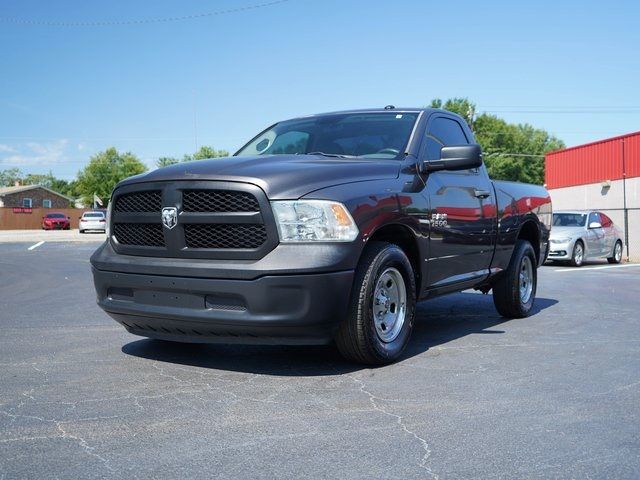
556	395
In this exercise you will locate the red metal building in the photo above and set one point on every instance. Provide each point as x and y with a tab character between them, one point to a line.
594	162
603	175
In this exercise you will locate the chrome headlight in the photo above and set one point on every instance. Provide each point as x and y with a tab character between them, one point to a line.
561	240
314	221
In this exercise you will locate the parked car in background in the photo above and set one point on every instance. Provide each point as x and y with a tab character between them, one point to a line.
56	221
95	220
579	236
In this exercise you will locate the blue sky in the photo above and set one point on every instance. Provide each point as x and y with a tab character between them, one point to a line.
67	92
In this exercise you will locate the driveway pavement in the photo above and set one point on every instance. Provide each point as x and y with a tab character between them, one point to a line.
556	395
34	236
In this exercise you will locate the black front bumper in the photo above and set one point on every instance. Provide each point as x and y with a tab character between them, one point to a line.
279	309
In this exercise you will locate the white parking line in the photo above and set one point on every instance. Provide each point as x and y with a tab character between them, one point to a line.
586	269
32	247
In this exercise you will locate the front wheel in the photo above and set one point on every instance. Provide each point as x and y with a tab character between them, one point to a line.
515	291
380	319
617	253
577	256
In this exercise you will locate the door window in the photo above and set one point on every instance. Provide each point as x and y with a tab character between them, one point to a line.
447	131
594	217
444	132
606	221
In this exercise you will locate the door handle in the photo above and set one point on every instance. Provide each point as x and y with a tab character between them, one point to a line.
482	193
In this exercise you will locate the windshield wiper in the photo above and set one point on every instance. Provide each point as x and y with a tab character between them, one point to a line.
332	155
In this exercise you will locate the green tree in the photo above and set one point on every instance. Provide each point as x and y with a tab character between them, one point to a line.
166	161
104	171
461	106
511	151
206	152
202	154
65	187
10	176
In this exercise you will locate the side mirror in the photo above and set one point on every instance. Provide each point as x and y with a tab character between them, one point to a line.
595	225
459	157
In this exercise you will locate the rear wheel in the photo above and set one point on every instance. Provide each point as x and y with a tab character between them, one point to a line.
515	291
380	319
617	253
577	256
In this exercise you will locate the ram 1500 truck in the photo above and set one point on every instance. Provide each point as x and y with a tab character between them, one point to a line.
325	228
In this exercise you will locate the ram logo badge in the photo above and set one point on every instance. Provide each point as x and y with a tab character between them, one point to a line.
169	217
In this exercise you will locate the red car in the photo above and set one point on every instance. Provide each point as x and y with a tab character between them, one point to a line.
56	221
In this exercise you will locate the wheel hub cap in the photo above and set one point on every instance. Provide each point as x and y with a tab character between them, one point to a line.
526	280
389	305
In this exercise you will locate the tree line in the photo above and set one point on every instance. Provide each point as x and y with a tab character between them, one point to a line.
511	152
104	170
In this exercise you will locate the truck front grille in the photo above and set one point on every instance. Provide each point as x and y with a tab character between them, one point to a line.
142	234
149	201
218	201
209	235
214	220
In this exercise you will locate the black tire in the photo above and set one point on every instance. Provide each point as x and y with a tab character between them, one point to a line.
506	290
81	231
577	255
357	338
616	256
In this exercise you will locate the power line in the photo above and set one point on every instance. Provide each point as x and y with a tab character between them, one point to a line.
504	154
142	21
570	107
574	112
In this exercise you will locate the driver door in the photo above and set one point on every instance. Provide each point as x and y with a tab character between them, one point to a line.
462	212
595	237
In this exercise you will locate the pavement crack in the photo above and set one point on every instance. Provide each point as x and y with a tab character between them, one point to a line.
64	434
375	403
84	445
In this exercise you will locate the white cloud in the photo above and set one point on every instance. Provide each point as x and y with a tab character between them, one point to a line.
34	153
6	148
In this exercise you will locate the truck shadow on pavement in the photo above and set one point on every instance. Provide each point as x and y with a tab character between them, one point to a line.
438	322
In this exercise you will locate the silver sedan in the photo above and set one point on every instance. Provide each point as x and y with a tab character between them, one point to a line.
579	236
92	221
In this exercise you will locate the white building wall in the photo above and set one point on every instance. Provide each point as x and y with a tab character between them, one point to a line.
596	196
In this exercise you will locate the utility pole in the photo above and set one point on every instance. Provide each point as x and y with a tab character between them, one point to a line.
624	201
471	112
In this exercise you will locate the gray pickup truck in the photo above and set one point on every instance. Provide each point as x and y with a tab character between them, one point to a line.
325	228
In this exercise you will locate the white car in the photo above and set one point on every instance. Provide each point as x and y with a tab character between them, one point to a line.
579	236
93	221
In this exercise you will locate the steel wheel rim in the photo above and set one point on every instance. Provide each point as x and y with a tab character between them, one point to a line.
579	254
526	280
618	252
389	305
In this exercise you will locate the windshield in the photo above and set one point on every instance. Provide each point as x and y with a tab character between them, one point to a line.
55	215
368	135
569	219
93	215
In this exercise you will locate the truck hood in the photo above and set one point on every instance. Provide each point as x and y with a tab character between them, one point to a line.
280	176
